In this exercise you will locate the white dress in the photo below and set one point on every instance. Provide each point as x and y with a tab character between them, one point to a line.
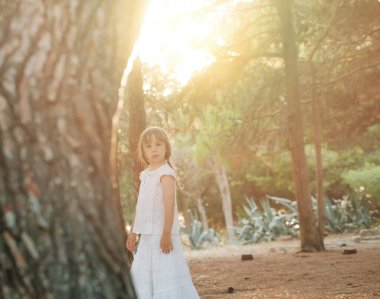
157	275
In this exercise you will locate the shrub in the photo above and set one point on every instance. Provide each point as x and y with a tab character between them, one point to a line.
365	180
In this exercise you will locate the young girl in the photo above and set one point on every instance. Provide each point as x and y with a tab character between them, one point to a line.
159	269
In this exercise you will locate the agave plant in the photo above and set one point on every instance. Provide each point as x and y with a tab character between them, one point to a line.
346	214
267	223
197	235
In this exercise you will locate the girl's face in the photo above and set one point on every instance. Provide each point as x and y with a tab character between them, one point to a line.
155	151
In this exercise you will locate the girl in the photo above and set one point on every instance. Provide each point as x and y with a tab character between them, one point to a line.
159	269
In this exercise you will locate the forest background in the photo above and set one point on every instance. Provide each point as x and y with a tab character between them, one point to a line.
230	116
273	114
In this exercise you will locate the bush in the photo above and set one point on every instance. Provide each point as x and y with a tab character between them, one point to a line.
365	180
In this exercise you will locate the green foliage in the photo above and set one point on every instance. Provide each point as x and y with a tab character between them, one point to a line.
271	172
365	180
354	169
215	140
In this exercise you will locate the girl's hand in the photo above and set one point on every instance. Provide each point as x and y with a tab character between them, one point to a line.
166	243
131	242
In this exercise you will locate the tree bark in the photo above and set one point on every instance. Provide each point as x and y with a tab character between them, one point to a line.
308	233
202	212
60	68
131	90
184	208
224	189
317	120
132	124
137	120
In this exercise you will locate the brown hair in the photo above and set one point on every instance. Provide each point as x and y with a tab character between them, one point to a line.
146	138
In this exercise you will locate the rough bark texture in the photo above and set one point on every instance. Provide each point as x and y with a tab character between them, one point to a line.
60	68
224	189
308	233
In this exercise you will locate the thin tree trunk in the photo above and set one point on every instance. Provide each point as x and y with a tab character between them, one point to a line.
317	120
137	119
308	233
133	122
224	189
60	68
202	213
131	75
184	208
317	123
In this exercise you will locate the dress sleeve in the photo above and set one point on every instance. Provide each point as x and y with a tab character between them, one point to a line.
167	171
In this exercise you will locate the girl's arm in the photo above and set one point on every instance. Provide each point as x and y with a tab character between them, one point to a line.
132	237
168	189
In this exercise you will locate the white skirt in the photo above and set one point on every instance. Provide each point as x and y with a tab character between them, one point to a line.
157	275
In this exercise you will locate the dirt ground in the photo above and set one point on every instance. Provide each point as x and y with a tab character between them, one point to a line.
278	270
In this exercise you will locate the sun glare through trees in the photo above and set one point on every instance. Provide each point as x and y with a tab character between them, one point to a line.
272	111
177	35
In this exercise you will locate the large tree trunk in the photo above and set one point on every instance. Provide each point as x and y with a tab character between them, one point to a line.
309	236
224	189
60	68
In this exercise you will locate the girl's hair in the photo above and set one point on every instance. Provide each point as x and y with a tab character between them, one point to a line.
146	138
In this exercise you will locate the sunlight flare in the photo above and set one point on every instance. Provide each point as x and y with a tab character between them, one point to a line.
174	36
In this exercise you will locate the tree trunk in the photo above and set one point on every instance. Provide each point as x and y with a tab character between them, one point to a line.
309	235
317	120
137	119
60	68
184	209
202	212
224	189
131	75
132	124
